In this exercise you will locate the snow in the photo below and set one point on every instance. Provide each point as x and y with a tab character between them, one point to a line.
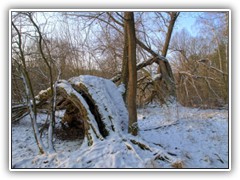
197	137
108	98
121	88
156	77
172	134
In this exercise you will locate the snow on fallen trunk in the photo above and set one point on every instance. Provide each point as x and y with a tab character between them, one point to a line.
99	102
106	142
107	99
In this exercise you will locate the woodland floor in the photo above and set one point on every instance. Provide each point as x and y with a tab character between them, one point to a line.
197	137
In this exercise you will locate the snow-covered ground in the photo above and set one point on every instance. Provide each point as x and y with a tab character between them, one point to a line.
197	138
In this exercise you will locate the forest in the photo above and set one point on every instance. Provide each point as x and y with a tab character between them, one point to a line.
119	89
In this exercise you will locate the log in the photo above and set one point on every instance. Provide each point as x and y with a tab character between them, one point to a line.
99	105
95	101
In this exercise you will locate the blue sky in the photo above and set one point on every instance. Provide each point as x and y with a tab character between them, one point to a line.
187	20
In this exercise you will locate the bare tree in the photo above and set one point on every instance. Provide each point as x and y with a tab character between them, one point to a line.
44	54
125	74
132	73
201	77
29	92
167	85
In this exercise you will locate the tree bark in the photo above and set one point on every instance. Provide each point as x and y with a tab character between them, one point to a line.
49	63
124	77
30	94
173	16
167	81
132	82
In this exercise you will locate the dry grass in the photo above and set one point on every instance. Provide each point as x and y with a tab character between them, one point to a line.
177	164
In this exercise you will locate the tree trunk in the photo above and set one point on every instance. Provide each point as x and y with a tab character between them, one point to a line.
124	77
167	81
132	72
173	16
30	94
92	100
49	64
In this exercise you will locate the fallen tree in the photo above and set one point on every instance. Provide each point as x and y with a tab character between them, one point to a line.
98	105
